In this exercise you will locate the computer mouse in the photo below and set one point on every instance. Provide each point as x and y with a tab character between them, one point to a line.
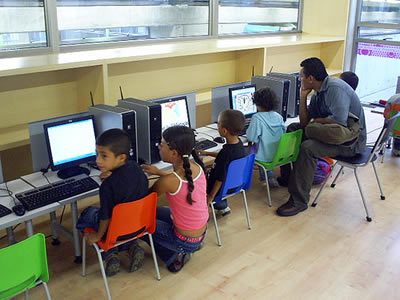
19	209
219	139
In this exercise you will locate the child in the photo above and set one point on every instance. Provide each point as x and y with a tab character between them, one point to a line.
350	78
181	227
266	127
230	124
123	181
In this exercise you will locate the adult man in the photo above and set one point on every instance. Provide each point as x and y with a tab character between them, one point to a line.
328	122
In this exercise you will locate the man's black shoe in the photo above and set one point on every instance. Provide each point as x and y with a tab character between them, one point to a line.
282	182
290	209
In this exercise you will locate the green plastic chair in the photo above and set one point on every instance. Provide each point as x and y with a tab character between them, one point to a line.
287	152
23	266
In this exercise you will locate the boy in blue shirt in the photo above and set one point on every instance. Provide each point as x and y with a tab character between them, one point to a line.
266	127
123	181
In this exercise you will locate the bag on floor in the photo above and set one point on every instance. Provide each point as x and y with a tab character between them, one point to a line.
322	171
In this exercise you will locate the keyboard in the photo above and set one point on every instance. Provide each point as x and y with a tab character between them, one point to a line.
54	192
4	211
204	145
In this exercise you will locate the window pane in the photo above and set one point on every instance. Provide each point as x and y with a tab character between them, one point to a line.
22	24
384	34
102	20
254	16
381	11
378	67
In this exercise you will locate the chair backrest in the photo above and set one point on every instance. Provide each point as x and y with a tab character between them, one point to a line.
238	176
288	148
131	220
384	134
22	264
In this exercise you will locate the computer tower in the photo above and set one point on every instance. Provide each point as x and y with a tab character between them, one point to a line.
40	156
148	120
220	98
294	92
109	117
281	88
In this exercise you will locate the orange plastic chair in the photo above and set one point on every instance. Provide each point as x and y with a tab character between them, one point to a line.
129	221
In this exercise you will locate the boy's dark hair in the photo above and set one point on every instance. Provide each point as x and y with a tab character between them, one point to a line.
315	67
232	120
350	78
266	98
181	139
116	140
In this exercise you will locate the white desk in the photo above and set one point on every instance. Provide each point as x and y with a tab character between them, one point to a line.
37	180
6	222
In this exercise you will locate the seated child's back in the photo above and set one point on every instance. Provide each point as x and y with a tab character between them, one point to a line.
266	126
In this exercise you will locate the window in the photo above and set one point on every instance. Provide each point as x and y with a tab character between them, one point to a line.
119	20
380	11
22	24
377	49
257	16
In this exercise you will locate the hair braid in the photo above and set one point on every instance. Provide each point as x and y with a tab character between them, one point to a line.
188	175
198	160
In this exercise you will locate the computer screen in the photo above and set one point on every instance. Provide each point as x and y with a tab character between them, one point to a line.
174	111
70	143
241	98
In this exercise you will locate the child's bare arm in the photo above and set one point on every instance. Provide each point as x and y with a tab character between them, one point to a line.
94	237
214	191
202	152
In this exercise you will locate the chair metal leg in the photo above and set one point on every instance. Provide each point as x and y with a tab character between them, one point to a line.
153	251
379	182
26	296
315	202
216	225
46	289
333	184
246	208
369	219
103	272
267	185
291	166
84	256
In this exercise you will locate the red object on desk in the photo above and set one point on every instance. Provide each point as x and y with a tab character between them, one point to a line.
382	101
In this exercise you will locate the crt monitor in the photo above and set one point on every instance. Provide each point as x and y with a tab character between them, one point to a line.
174	111
241	98
70	143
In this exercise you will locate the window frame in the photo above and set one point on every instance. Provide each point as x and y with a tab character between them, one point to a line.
54	46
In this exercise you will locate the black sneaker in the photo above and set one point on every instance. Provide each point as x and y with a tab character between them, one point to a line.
179	262
290	209
112	265
136	257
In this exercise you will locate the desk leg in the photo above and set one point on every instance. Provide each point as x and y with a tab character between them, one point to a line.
53	219
75	233
10	236
29	228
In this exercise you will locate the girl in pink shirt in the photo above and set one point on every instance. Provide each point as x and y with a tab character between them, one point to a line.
181	227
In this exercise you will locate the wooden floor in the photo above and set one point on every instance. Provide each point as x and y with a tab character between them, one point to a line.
326	252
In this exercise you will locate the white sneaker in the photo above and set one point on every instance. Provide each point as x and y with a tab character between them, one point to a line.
223	212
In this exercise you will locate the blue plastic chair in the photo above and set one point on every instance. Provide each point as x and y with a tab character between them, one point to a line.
361	160
238	180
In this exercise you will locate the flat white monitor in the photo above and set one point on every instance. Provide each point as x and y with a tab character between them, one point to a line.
241	98
174	111
70	143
